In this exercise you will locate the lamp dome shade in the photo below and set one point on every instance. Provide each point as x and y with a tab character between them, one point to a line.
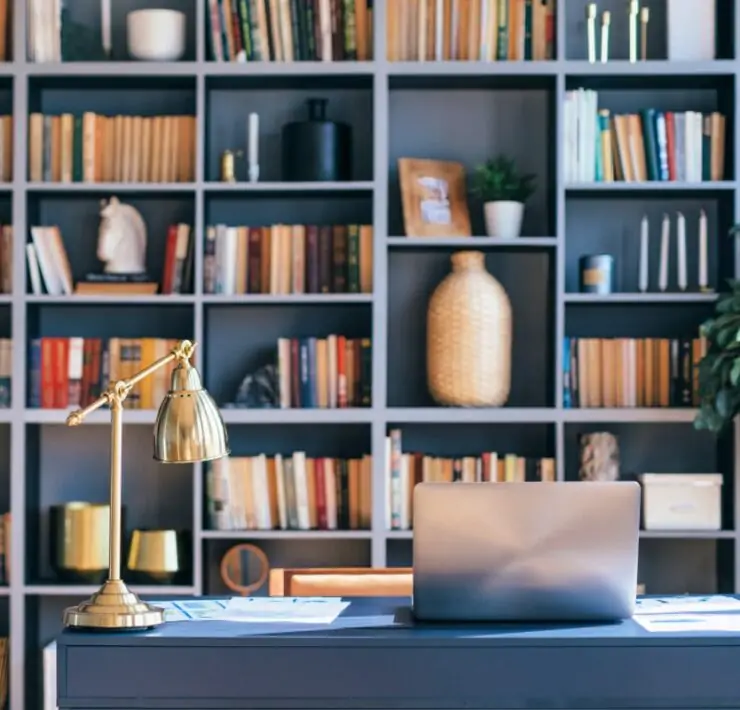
189	426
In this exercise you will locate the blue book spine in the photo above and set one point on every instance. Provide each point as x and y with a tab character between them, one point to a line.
306	400
34	369
567	399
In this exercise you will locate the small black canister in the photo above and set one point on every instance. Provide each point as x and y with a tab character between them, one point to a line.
317	150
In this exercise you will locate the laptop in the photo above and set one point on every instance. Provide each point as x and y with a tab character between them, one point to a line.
525	551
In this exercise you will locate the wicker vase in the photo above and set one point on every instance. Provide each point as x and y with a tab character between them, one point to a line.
469	337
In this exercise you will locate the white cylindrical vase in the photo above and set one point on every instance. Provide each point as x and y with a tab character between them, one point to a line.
503	219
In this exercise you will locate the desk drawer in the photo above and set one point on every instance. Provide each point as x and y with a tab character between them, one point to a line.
397	677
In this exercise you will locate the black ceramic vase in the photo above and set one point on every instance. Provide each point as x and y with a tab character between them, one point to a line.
317	150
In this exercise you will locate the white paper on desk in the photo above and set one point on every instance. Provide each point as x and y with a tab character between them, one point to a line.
191	609
677	623
292	610
687	604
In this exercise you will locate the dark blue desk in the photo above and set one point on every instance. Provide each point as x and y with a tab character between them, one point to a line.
374	657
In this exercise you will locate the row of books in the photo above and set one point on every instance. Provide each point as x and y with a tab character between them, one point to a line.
330	372
6	372
290	30
6	258
293	492
404	470
472	30
284	259
50	270
650	145
97	148
66	373
6	147
632	372
5	521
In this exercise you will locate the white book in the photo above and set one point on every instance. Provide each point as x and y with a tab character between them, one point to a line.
33	270
301	490
282	507
690	30
50	676
52	280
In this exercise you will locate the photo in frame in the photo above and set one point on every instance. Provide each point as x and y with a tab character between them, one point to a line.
434	200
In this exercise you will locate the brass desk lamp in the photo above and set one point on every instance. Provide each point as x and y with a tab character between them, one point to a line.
189	428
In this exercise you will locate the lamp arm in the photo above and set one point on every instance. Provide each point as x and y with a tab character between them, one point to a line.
119	390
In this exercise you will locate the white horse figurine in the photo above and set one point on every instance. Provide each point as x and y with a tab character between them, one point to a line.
121	238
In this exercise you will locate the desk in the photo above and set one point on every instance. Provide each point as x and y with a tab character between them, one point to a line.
374	657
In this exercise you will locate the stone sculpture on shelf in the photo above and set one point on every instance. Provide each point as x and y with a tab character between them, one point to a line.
599	457
122	238
258	390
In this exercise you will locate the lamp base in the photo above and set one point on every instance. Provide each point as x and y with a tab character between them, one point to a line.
113	607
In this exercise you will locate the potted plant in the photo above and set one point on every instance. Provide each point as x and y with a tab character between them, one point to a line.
503	191
719	369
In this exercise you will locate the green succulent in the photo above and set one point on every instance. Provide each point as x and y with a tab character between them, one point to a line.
498	180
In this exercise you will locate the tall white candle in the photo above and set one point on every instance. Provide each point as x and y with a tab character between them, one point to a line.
703	269
253	147
644	237
664	244
681	237
105	26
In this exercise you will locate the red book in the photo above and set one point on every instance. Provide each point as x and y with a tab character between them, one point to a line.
61	373
170	254
670	140
47	373
341	371
320	473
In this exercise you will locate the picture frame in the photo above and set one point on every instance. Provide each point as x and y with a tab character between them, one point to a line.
434	198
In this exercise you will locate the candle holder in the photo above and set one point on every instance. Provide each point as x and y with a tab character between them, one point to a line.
606	18
634	9
591	31
228	165
644	19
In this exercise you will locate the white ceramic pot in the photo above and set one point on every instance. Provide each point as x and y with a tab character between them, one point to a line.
156	35
503	219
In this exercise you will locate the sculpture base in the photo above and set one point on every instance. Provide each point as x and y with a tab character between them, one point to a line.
113	607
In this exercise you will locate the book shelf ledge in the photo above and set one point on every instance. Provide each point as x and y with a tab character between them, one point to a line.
657	186
297	416
688	534
339	68
87	70
621	298
649	68
287	299
160	300
471	242
59	416
644	534
286	534
461	415
87	187
82	590
243	186
473	68
647	414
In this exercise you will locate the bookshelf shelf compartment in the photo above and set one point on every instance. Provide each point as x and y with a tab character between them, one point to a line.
85	70
296	299
496	120
87	16
630	415
358	415
125	95
674	189
65	464
575	31
588	232
288	70
278	103
254	333
251	209
285	552
412	278
78	218
698	566
41	189
501	74
472	415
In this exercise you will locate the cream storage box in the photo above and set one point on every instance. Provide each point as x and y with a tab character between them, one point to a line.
681	501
